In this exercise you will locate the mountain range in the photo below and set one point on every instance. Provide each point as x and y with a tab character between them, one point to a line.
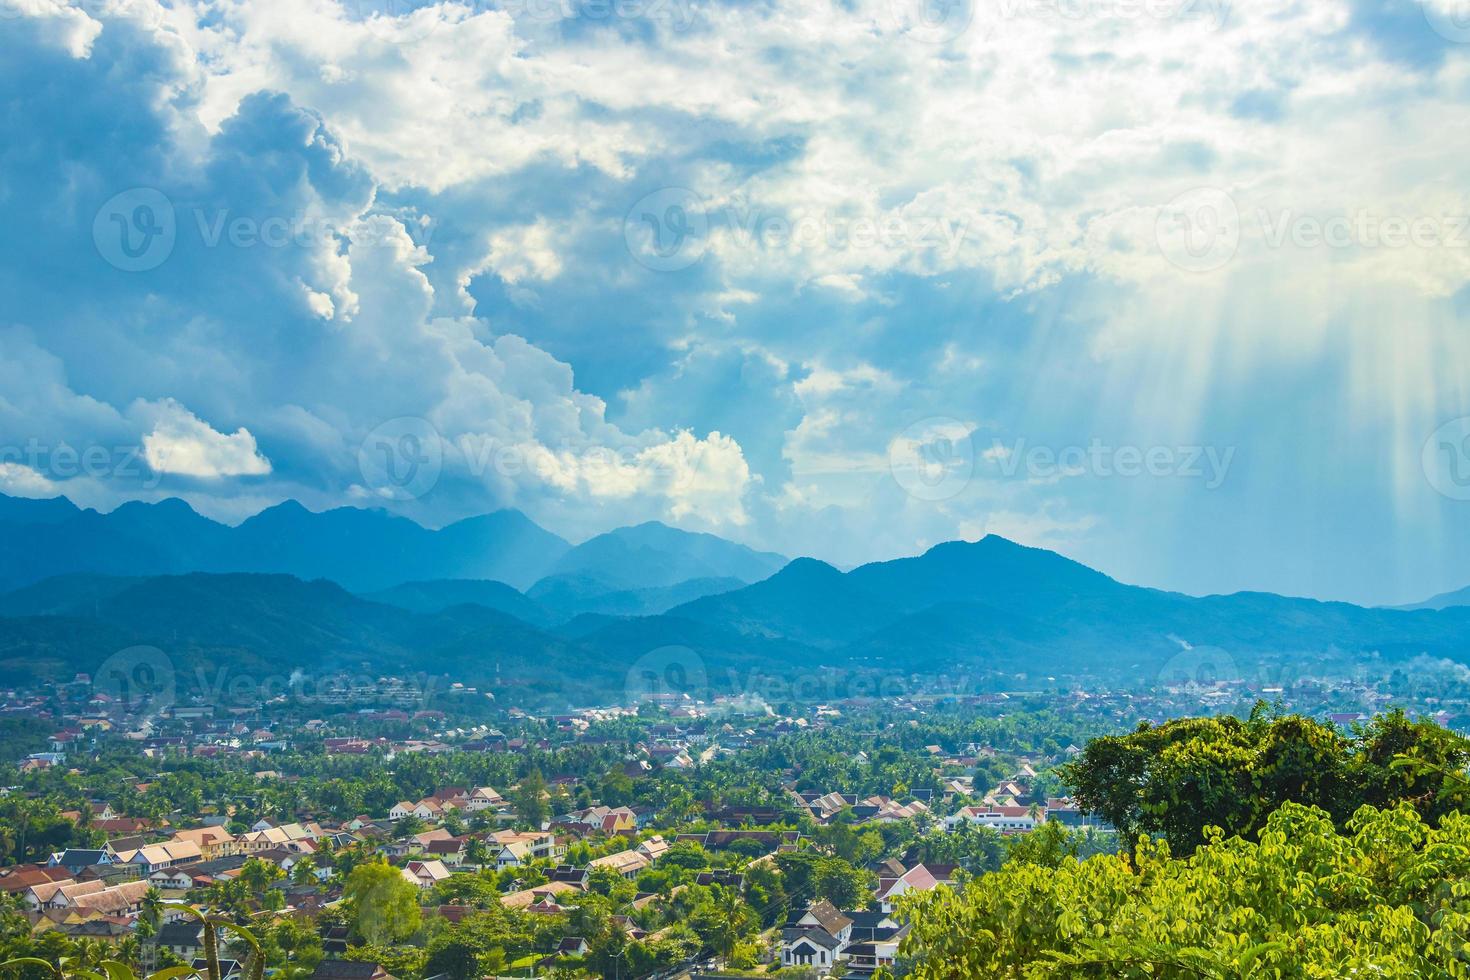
499	601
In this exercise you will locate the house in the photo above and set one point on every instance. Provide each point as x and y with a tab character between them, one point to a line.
75	859
400	810
429	809
539	843
291	836
538	895
425	874
119	900
1006	819
450	850
484	798
572	946
570	875
513	855
172	879
59	894
653	848
873	942
183	939
626	863
602	819
14	881
156	857
817	937
213	842
919	878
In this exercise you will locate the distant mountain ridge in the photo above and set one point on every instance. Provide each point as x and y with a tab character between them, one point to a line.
986	608
634	570
1445	600
359	549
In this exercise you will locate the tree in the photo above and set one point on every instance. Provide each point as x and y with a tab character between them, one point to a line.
530	799
1304	901
1179	778
386	905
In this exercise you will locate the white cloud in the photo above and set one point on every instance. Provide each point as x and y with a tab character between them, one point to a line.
19	480
184	444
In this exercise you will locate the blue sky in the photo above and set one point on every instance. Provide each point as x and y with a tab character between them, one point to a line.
1176	288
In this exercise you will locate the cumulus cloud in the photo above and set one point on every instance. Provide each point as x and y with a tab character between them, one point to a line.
182	443
19	480
860	226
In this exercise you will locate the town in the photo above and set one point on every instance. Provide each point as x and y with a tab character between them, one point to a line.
371	834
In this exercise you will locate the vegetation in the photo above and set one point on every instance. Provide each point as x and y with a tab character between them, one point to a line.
1177	779
1385	898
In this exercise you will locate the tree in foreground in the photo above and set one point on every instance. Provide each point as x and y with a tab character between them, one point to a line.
1176	779
1385	898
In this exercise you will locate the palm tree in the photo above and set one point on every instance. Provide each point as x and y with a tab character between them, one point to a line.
152	914
93	960
736	918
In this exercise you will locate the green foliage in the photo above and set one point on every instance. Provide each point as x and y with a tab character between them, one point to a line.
385	904
1386	898
530	799
810	876
1176	779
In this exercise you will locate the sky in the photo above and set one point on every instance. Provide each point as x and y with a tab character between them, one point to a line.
1175	287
